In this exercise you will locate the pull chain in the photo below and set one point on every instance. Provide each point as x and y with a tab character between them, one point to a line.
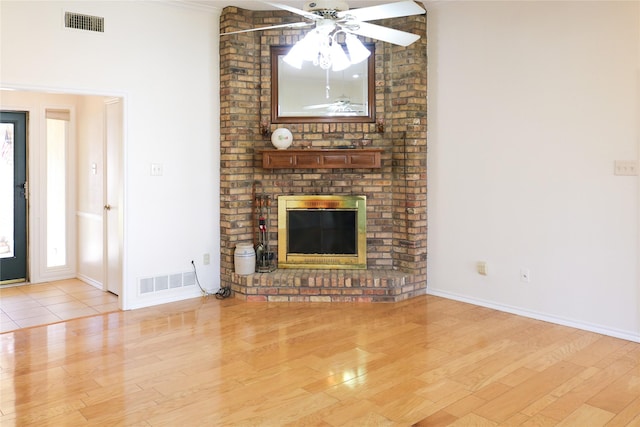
327	87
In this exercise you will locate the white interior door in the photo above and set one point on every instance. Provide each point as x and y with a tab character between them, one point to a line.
113	215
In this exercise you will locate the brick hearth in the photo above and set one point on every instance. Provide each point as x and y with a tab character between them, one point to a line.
396	192
327	286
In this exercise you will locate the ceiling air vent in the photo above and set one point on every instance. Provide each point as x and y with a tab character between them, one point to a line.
83	22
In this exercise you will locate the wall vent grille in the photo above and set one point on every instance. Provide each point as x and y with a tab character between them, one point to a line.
149	285
79	21
175	280
189	278
146	285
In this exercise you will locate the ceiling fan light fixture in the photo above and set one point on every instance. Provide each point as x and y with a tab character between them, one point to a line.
357	51
295	56
322	49
304	50
339	59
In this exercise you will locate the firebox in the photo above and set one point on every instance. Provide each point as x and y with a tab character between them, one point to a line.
322	232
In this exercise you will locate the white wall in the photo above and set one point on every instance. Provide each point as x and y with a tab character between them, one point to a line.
530	104
161	59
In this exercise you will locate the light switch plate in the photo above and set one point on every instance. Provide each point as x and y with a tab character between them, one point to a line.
626	168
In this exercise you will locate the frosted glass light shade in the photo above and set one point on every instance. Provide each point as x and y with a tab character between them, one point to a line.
357	51
339	59
323	50
303	50
294	57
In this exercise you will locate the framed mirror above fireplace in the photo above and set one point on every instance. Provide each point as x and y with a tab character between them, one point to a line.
312	94
322	232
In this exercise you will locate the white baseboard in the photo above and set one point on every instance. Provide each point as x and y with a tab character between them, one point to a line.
616	333
90	281
154	299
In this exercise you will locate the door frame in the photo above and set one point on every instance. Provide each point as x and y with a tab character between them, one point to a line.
21	246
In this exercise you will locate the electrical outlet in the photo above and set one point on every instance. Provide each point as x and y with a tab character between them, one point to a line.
625	168
525	275
156	169
481	268
206	259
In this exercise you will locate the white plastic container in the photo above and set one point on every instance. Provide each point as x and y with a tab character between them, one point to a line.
245	259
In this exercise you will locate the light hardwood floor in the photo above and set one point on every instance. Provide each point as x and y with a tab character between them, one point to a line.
427	361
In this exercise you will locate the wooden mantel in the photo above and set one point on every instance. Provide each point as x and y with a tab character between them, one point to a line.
324	158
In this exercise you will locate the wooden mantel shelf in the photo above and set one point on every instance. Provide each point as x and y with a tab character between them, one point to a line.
325	158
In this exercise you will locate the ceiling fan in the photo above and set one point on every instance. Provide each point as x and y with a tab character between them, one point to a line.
341	105
332	16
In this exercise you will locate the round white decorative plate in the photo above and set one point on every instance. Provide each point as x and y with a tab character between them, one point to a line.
281	138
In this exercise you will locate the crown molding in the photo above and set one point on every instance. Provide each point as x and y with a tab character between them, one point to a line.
203	6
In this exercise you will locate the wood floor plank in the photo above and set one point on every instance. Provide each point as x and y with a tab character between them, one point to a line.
585	387
440	418
36	411
538	420
283	408
453	365
616	396
464	406
408	410
474	420
493	368
370	419
538	405
524	394
517	376
424	361
562	399
577	341
586	415
596	351
492	391
441	389
339	413
71	418
121	408
629	416
438	406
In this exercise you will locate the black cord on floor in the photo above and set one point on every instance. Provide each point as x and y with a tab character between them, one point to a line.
222	292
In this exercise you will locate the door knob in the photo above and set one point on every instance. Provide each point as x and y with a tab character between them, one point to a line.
107	207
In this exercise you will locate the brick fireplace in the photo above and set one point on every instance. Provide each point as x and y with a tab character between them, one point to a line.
396	226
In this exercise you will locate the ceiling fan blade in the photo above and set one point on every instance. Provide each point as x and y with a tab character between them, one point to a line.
316	106
291	9
385	34
291	25
384	11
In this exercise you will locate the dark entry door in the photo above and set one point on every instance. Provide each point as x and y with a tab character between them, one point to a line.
13	197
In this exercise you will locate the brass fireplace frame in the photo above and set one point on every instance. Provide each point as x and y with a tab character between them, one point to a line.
323	261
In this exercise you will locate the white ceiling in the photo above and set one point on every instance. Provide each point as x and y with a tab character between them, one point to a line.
259	5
